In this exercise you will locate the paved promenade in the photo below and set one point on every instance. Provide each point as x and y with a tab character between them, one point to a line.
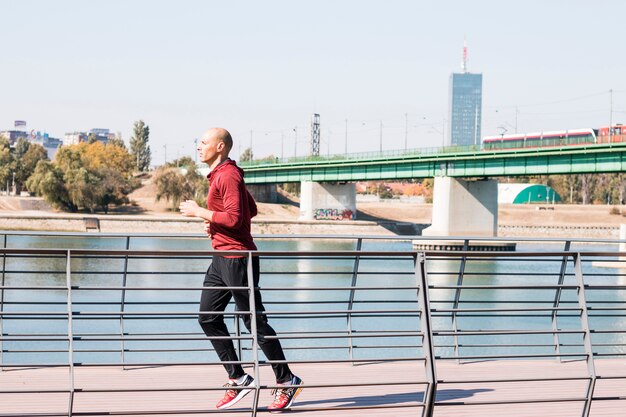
392	389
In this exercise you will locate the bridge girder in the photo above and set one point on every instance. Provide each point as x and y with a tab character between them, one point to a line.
571	160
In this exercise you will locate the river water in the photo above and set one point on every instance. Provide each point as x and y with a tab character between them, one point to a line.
394	278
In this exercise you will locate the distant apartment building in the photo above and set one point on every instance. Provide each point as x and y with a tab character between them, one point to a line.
465	108
74	138
13	135
102	135
465	116
50	144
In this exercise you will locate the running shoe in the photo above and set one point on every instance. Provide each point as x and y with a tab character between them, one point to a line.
232	396
284	396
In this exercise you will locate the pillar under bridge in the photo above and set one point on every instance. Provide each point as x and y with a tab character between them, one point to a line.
464	208
460	207
327	201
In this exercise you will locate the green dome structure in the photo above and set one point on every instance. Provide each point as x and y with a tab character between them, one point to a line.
526	194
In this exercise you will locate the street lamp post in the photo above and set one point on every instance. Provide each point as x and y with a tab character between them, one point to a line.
381	137
406	131
346	145
251	145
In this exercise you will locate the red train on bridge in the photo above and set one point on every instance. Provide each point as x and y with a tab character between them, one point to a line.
614	134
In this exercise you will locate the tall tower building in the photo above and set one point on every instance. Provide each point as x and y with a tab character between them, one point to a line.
466	96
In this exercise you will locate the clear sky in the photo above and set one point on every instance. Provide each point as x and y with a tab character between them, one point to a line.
266	66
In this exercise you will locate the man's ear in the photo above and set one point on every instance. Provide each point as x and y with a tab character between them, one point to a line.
220	146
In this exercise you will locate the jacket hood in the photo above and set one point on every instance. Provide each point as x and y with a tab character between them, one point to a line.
222	165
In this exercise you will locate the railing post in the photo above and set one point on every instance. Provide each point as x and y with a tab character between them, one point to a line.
427	340
557	301
4	261
253	330
123	303
70	333
584	321
457	299
355	273
238	334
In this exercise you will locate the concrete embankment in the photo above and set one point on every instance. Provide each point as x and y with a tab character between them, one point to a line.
580	232
176	224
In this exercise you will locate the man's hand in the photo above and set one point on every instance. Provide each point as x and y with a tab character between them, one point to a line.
189	208
207	227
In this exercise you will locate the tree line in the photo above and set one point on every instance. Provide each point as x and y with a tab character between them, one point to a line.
93	176
587	188
87	176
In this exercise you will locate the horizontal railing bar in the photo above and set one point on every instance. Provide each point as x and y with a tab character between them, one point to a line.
528	355
297	272
117	338
396	346
195	313
327	347
122	313
284	316
374	301
612	354
119	288
149	303
125	364
440	314
200	338
132	253
321	273
353	360
354	335
141	364
520	401
501	332
607	331
495	310
164	317
543	379
502	287
202	236
198	333
470	255
213	388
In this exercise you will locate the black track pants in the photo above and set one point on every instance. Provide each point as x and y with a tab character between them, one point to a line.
233	272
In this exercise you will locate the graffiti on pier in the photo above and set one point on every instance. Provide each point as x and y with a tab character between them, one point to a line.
333	214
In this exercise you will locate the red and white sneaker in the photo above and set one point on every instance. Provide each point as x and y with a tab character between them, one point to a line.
284	396
232	396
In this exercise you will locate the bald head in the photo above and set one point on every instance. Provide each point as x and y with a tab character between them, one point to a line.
214	146
217	135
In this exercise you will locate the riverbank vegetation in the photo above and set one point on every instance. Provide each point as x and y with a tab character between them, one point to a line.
87	176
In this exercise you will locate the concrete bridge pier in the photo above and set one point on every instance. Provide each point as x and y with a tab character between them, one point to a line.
263	193
327	201
464	208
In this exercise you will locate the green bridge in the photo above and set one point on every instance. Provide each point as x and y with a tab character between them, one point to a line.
469	162
465	193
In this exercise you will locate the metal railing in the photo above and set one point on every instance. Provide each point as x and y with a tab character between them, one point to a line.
442	151
395	305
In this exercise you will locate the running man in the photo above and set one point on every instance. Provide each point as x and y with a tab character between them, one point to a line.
227	221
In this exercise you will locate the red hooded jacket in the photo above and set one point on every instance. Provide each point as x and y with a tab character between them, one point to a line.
233	208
